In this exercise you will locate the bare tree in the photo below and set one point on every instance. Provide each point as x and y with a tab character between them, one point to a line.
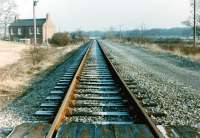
7	13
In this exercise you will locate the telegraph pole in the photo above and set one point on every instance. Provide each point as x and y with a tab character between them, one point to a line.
34	21
142	32
120	35
195	27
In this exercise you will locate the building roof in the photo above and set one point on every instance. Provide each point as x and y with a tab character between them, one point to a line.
27	22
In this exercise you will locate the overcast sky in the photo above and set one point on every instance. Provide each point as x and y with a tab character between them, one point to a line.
70	15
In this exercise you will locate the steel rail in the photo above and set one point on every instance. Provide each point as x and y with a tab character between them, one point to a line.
131	97
133	104
64	109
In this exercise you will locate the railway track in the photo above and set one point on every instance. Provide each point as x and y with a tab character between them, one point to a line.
92	100
50	107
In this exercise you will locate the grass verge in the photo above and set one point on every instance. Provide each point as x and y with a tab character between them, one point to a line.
35	63
179	49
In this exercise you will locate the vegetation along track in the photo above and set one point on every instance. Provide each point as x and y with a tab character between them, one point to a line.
92	100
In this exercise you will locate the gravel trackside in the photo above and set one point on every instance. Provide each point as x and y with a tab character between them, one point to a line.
170	81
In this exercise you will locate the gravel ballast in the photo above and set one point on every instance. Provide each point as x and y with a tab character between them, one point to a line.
172	82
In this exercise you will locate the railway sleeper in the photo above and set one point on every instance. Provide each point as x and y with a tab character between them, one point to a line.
70	72
98	98
96	69
131	83
95	119
103	107
138	92
100	114
94	88
63	84
116	102
66	78
97	84
98	78
104	130
141	97
148	103
105	71
50	105
45	113
157	114
54	97
98	75
97	81
59	92
68	75
98	92
64	81
58	87
97	65
100	86
132	87
96	95
100	105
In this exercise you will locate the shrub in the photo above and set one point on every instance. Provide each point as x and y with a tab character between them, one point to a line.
60	39
37	55
169	41
139	39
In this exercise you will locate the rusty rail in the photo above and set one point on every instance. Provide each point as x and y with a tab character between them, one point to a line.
64	109
132	99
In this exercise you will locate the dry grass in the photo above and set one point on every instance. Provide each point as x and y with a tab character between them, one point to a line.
10	53
18	76
183	50
179	49
173	46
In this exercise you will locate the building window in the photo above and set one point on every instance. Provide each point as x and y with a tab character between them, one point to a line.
19	31
30	31
11	31
38	30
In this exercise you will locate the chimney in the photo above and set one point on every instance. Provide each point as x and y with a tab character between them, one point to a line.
16	17
47	16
